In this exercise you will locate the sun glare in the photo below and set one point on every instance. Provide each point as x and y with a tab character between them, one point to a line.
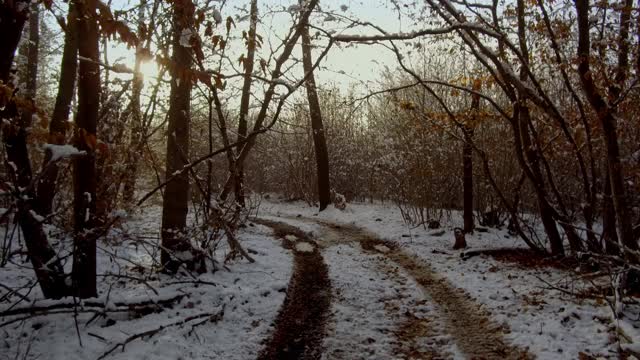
149	69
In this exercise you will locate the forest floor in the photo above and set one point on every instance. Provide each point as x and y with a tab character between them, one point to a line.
353	284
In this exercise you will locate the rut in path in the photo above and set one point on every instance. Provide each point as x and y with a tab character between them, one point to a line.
300	324
473	331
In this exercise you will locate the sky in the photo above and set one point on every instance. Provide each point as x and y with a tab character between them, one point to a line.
345	66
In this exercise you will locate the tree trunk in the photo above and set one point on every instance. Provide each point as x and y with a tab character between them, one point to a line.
527	157
319	140
31	73
608	123
175	244
467	180
84	171
61	110
46	264
522	121
13	16
467	163
128	191
248	63
609	234
269	94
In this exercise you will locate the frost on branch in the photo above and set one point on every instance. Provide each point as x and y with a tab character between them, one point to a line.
62	151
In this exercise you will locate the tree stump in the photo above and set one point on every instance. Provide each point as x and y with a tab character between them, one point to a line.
460	243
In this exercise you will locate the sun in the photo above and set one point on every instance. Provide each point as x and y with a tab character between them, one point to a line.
149	70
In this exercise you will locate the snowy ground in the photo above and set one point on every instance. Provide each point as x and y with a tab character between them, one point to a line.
250	293
548	322
378	310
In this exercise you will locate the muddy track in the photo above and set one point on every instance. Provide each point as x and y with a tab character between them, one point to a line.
417	336
300	324
471	327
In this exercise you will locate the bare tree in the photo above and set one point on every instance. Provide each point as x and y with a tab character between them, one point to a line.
84	172
315	113
176	194
61	111
45	262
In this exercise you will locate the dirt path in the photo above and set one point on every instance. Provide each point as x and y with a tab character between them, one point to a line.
443	313
476	336
300	324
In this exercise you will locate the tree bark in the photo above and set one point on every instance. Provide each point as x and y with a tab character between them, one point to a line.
13	16
467	163
523	137
609	235
46	264
84	170
128	191
175	244
249	63
315	113
61	110
31	73
608	122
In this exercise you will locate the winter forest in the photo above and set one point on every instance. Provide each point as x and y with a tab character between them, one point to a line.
320	179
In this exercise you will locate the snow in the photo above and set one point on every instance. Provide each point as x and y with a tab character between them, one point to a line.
551	324
372	297
217	17
62	151
381	248
294	9
185	38
250	293
304	246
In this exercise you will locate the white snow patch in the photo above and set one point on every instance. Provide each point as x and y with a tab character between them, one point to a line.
382	248
217	17
36	217
185	38
290	237
62	151
304	246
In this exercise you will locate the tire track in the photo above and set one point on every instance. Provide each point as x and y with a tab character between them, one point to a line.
300	324
471	327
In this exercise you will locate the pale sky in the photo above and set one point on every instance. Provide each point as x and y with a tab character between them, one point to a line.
346	64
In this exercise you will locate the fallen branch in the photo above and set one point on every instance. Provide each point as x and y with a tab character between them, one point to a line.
208	316
118	306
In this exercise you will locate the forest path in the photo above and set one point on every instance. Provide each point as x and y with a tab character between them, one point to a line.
300	324
443	314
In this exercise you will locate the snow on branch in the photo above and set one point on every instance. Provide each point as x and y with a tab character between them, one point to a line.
62	151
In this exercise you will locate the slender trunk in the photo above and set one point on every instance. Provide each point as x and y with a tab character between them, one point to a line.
523	137
131	169
269	94
175	244
467	180
31	75
609	234
319	140
209	163
546	213
467	163
45	262
248	63
61	110
13	16
608	122
84	172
